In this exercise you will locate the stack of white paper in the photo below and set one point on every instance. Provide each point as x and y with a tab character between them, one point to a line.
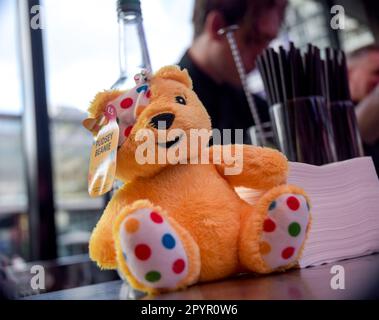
345	209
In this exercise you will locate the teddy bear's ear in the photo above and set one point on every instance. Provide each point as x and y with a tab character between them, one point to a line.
174	73
100	101
96	109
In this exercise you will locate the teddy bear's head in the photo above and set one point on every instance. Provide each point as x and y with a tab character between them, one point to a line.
161	133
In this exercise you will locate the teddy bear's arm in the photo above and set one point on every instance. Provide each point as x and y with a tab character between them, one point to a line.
252	167
101	245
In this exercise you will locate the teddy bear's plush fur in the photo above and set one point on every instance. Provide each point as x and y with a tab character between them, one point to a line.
171	226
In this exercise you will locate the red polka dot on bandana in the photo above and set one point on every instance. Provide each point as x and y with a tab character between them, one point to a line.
288	252
269	225
126	103
148	94
178	266
156	217
127	131
142	251
293	203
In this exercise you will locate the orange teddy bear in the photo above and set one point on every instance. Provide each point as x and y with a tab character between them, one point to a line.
172	225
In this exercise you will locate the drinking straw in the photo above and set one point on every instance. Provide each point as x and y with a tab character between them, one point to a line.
301	77
265	78
344	77
276	75
284	74
266	70
274	87
293	74
329	74
289	74
308	59
296	66
318	72
337	71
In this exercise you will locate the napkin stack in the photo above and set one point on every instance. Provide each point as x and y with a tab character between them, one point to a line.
345	209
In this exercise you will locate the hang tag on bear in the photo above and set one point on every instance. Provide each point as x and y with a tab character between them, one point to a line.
102	167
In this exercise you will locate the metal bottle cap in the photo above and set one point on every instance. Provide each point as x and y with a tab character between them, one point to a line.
129	6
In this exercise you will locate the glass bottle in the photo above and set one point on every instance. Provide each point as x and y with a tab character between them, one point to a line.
133	52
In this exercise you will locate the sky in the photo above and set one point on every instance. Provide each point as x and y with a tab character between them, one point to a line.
10	93
81	47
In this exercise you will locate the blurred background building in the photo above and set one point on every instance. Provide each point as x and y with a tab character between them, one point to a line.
81	57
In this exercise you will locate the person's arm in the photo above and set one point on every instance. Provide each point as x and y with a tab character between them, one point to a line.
367	112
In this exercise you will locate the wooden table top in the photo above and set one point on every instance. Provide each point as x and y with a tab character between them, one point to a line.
361	281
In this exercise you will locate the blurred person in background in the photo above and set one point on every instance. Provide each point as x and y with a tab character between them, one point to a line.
210	63
363	66
7	286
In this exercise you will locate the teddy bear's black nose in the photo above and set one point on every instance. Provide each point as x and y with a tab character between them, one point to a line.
162	121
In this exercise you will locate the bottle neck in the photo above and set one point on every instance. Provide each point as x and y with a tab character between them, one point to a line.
133	52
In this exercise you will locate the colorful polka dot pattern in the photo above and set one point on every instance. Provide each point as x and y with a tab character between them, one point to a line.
264	248
127	131
142	252
168	241
178	266
284	230
156	217
294	229
153	276
143	88
131	225
127	104
156	256
269	225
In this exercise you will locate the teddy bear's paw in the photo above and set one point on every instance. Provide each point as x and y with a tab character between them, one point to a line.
284	230
151	250
273	236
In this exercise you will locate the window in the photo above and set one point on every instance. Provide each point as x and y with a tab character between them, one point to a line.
306	23
81	58
13	199
10	102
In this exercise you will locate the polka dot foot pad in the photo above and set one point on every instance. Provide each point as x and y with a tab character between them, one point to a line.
152	250
284	230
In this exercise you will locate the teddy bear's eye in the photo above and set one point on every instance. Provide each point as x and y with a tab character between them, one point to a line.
181	100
